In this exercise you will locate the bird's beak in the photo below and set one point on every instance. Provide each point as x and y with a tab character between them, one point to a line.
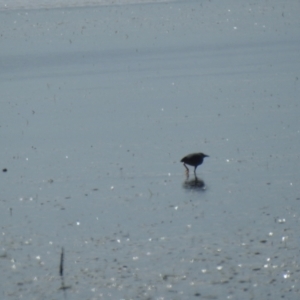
206	155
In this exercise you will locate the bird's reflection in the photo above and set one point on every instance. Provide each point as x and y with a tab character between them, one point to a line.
194	183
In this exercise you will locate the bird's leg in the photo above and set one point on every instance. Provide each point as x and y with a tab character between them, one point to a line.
187	171
195	171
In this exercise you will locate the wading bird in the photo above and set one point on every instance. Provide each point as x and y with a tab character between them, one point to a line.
193	159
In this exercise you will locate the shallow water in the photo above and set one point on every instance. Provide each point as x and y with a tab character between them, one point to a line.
98	107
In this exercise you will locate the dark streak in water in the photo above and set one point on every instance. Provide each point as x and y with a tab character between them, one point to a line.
61	266
61	272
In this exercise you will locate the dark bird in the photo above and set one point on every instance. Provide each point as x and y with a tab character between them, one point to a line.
194	159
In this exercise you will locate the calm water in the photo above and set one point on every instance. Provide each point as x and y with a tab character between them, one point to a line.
98	106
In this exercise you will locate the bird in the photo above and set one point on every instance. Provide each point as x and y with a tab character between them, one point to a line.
193	159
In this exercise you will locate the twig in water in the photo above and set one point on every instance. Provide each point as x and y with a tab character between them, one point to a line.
61	271
61	266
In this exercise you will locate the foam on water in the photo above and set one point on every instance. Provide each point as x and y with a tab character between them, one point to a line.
38	4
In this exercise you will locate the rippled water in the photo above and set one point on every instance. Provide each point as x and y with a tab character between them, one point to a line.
49	4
